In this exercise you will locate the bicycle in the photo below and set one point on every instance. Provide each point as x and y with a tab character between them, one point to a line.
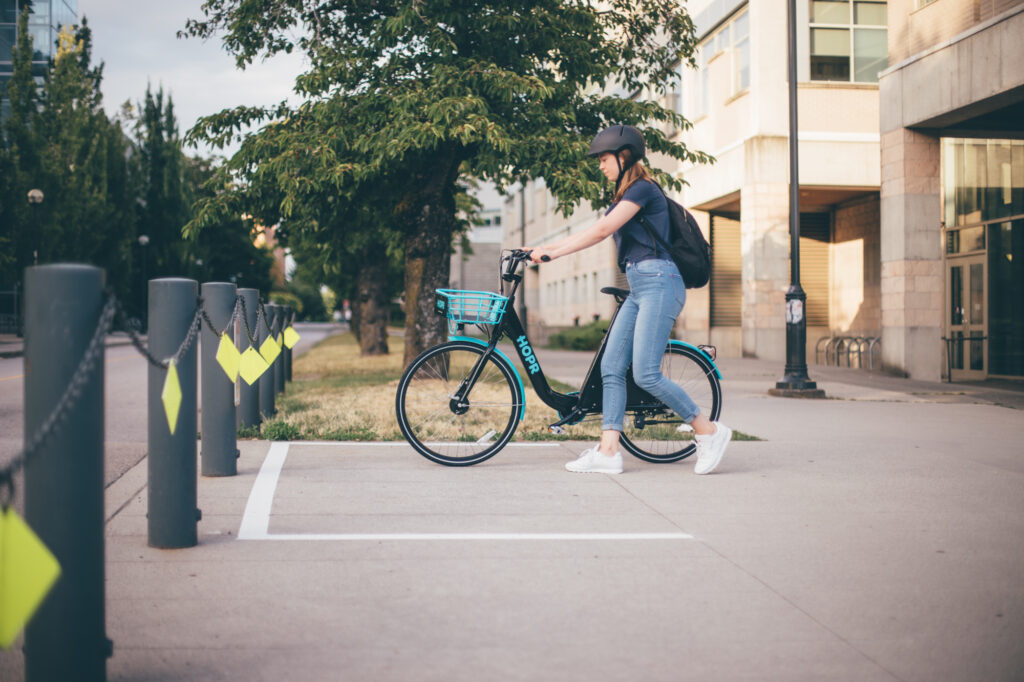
460	402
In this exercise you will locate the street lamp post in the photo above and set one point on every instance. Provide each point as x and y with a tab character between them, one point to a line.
143	242
35	198
796	382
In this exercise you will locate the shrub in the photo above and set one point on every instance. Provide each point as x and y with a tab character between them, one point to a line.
279	430
585	337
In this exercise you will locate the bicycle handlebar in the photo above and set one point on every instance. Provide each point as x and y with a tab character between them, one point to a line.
524	254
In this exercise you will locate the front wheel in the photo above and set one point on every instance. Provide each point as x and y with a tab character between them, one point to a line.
651	432
445	422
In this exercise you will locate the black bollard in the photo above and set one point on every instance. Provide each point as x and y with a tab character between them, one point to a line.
288	351
266	381
66	639
248	395
219	445
278	327
173	515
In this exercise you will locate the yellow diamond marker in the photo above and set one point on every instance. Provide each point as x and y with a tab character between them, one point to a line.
228	357
171	396
291	337
251	365
270	350
27	572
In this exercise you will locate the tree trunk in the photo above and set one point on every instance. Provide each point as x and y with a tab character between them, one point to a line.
427	265
372	304
428	252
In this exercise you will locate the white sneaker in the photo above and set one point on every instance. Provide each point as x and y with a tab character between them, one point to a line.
593	461
711	447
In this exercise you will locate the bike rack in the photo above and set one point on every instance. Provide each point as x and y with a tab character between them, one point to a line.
818	350
835	348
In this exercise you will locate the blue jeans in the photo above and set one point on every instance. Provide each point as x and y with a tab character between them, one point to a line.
640	335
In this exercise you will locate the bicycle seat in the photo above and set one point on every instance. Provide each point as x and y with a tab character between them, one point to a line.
617	293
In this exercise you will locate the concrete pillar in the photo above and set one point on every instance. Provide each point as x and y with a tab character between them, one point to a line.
764	243
911	243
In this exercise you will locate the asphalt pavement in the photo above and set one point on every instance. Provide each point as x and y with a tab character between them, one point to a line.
874	535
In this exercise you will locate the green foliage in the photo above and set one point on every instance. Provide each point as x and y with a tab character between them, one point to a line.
106	182
248	432
279	430
403	102
585	337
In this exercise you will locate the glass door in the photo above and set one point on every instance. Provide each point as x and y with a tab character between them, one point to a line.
967	323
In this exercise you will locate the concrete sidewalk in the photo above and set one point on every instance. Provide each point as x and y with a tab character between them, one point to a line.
872	536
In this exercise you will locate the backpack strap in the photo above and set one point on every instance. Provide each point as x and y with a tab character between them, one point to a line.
649	227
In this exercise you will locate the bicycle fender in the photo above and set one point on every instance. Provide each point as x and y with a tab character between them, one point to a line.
522	388
706	356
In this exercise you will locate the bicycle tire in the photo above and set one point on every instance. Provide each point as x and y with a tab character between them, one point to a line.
661	442
458	435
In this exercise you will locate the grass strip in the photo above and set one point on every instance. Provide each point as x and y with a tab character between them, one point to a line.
337	394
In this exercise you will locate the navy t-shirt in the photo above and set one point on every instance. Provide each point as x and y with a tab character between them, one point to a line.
632	240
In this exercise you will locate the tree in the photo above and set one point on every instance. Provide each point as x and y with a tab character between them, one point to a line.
19	160
418	94
226	252
162	209
83	170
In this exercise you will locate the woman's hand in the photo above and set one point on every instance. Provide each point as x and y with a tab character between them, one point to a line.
541	255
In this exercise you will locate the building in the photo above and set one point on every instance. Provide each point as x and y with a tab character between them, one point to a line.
737	99
45	20
952	191
476	254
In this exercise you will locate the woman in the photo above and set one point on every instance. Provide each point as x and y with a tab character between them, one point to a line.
656	298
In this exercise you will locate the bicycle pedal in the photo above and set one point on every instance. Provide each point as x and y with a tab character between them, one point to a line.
556	430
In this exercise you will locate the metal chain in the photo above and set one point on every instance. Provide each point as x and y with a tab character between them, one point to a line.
67	401
133	335
112	310
266	322
193	333
209	322
245	321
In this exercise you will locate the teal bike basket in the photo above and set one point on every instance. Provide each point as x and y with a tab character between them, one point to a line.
470	307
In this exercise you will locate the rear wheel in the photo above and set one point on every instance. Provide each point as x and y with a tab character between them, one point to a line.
651	432
457	432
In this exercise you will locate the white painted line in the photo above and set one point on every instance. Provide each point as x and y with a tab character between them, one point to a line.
473	536
402	443
256	519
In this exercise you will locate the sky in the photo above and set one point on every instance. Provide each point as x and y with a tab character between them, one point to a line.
137	42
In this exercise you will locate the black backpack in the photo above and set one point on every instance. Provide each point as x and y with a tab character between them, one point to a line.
689	250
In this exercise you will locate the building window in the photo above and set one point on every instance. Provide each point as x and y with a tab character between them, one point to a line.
702	93
731	43
983	180
741	53
848	40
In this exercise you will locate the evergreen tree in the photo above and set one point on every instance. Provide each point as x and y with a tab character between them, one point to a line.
19	161
162	211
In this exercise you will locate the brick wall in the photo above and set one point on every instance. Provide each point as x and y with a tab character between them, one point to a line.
912	31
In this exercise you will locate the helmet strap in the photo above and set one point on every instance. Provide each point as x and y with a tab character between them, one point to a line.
622	169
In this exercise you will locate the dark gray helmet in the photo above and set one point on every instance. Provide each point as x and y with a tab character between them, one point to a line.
616	138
